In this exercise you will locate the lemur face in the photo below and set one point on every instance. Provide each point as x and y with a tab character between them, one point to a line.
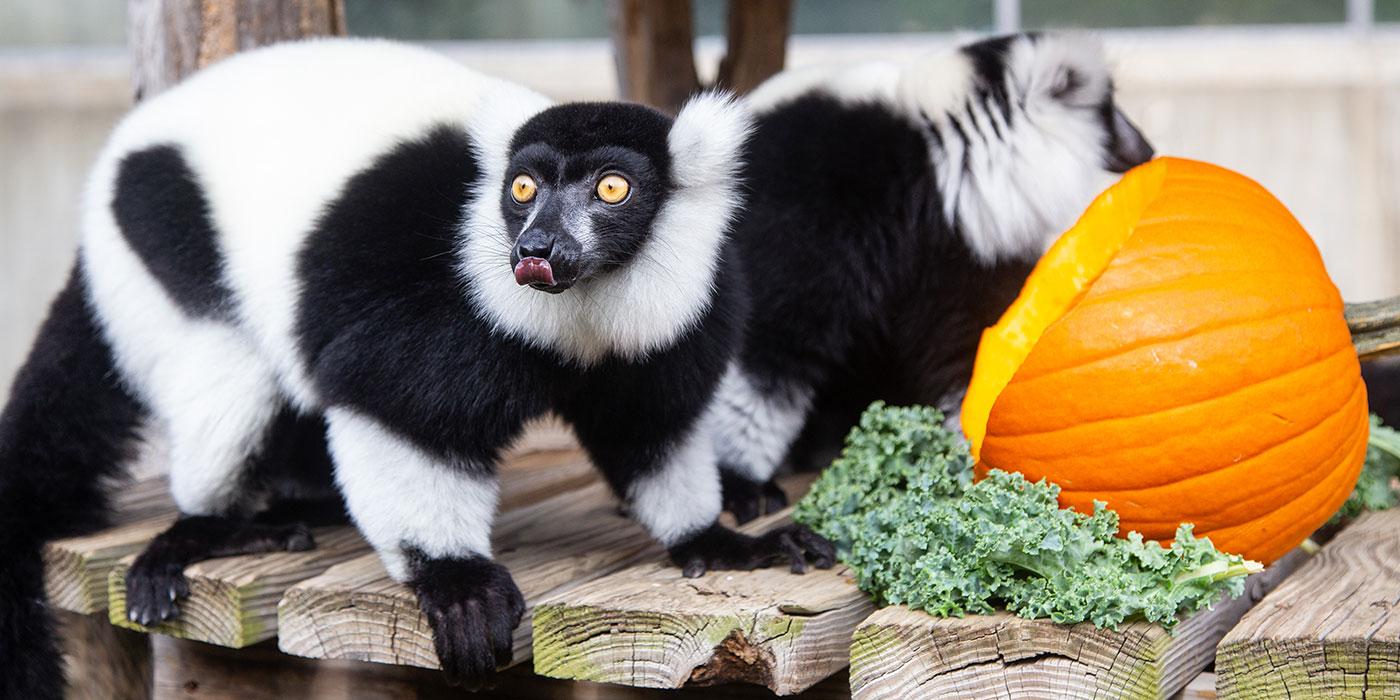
581	192
1027	132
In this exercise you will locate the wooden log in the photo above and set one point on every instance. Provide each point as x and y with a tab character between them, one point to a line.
191	670
1329	630
76	568
103	662
172	38
647	626
233	600
354	611
901	653
1201	687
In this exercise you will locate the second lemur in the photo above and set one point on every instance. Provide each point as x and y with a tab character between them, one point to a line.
893	212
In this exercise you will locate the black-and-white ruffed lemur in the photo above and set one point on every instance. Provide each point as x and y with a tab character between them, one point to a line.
893	212
361	262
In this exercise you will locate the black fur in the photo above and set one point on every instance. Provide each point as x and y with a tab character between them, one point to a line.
721	548
156	581
68	427
474	607
163	214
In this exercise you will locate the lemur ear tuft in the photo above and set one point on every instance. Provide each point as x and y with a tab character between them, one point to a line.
1065	66
707	140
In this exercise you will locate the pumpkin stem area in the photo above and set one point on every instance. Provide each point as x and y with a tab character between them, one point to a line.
1056	285
1374	326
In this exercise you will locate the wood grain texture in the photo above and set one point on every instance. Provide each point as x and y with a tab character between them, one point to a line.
76	568
647	626
355	611
1328	631
1201	687
899	653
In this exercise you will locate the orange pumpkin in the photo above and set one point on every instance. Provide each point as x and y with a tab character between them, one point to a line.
1180	354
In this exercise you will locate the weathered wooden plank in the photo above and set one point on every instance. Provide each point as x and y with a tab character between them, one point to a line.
354	611
187	670
647	626
1329	630
76	568
900	653
233	600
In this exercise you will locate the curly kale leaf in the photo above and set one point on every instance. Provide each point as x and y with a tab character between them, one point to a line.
902	509
1375	488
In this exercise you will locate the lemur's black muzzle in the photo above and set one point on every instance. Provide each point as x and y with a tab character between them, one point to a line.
545	261
1127	147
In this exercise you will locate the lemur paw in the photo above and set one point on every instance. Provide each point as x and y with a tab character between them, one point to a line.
719	548
473	606
156	582
747	499
154	589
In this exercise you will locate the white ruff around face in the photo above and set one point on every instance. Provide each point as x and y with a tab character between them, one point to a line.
652	300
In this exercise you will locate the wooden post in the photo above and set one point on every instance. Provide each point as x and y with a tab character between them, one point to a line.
1329	631
655	63
173	38
757	43
655	58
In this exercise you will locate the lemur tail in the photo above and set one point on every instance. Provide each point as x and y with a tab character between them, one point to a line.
68	426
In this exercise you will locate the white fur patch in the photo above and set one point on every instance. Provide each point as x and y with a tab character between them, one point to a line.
274	134
1026	181
1012	188
752	431
682	496
400	496
651	301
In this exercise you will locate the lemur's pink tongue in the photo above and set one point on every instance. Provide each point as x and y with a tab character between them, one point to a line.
533	271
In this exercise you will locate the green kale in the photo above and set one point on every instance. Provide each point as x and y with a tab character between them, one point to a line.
902	509
1375	488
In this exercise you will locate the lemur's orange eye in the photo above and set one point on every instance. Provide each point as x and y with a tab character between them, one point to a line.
522	189
613	189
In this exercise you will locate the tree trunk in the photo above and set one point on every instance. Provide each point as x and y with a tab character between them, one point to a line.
172	38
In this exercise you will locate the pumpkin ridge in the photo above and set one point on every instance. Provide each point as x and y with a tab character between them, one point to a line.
1161	285
1339	416
1287	486
1121	350
1214	468
1164	219
1097	421
1270	548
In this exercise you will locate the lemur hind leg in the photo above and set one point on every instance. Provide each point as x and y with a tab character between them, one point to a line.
229	430
752	429
293	469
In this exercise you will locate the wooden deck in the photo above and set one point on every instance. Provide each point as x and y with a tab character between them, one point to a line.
607	611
